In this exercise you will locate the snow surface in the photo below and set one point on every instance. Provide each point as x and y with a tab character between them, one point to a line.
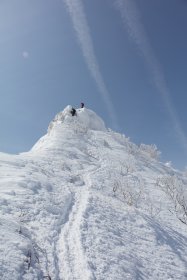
84	204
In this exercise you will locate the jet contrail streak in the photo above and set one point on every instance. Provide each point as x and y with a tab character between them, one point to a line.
132	22
80	24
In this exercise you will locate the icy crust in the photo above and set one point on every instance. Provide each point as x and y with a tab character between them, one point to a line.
84	117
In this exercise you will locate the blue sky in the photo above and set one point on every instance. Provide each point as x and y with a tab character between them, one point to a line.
126	59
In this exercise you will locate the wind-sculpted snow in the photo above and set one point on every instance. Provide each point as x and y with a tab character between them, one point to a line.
85	203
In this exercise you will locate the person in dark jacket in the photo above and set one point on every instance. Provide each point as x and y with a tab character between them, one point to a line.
82	105
73	111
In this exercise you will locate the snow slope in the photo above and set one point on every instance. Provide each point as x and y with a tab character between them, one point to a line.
86	203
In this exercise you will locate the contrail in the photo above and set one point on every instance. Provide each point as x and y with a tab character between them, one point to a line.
132	21
80	24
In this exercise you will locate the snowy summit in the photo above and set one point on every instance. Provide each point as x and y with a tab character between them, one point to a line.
85	203
84	120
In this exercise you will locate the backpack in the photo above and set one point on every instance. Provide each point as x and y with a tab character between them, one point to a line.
73	112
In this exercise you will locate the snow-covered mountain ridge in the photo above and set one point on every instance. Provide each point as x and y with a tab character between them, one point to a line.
86	203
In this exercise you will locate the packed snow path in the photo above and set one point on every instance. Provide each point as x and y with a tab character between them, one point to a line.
72	254
84	204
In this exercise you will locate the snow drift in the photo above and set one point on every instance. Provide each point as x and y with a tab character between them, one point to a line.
86	203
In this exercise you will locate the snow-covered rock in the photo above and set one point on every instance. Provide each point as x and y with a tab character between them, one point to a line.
86	203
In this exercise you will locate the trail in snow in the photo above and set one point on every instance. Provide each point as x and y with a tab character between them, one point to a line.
73	262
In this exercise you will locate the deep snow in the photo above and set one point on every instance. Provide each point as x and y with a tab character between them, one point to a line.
86	203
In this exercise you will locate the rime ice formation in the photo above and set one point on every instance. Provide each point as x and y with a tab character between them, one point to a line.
86	203
84	117
63	123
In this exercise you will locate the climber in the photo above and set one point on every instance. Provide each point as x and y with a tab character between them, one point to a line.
73	112
82	105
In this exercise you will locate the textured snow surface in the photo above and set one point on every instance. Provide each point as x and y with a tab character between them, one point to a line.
84	204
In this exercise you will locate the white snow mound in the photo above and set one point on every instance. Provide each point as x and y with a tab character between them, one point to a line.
84	117
64	123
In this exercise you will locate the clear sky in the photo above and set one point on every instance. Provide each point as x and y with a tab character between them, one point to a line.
126	59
